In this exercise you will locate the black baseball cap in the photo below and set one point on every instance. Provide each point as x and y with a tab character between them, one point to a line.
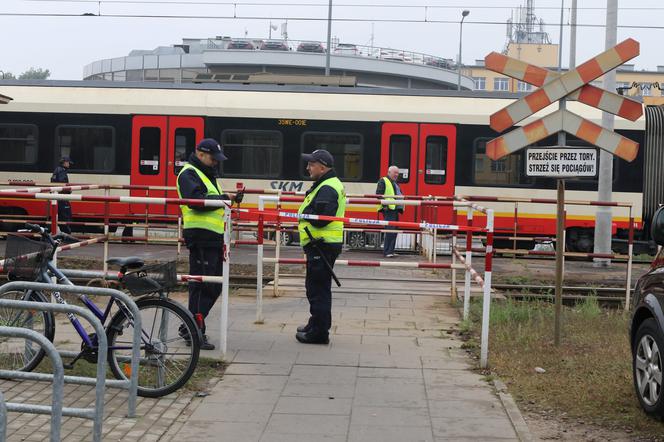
66	158
211	146
320	156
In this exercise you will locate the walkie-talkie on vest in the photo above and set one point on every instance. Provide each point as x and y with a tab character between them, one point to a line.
316	244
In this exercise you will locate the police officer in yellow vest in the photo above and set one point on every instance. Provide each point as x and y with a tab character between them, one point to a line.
203	228
325	197
388	187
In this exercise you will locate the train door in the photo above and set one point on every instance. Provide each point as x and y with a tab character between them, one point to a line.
425	155
436	159
159	147
399	144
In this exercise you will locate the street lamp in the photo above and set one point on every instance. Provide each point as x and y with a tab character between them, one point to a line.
464	14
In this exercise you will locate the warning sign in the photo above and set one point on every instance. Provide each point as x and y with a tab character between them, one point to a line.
561	162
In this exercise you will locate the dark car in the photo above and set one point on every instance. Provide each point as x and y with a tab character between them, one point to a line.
310	46
647	328
240	44
274	45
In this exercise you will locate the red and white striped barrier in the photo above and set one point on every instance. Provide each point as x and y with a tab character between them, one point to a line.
361	263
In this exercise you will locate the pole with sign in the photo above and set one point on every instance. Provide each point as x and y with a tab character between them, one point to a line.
561	161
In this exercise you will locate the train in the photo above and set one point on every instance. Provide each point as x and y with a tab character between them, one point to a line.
142	133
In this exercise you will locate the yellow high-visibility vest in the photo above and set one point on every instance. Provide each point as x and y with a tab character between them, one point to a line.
334	231
389	193
202	219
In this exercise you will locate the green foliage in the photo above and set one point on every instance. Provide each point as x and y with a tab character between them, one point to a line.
589	308
35	74
5	75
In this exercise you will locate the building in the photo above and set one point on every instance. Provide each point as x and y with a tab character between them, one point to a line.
224	59
527	41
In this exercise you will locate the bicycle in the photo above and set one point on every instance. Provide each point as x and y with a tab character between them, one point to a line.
170	338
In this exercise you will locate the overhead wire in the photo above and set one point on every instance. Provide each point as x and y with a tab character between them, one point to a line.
292	18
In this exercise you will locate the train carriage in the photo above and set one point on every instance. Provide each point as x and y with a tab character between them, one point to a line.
140	135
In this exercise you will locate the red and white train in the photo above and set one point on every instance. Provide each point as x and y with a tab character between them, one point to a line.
120	133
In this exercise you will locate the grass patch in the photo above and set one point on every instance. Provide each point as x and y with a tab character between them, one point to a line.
206	370
588	377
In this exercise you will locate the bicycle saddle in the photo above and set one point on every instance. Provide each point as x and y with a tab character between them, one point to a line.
129	262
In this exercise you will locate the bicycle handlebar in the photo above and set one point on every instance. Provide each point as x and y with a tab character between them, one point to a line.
52	239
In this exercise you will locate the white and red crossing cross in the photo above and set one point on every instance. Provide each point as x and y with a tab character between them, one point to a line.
554	86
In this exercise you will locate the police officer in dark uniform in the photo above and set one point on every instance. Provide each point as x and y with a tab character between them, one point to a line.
203	228
64	207
325	197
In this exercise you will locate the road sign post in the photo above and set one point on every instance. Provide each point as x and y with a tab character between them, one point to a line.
559	161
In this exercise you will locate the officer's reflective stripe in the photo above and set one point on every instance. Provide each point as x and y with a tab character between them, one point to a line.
198	219
389	192
334	231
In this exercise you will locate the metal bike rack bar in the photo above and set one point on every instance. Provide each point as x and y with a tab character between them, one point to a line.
3	418
55	410
96	414
117	294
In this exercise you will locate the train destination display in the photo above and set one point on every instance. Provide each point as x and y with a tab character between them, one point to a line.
561	162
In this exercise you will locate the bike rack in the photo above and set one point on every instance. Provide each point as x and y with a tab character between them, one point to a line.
55	409
3	418
132	384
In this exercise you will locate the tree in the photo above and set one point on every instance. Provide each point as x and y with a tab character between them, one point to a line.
6	75
35	74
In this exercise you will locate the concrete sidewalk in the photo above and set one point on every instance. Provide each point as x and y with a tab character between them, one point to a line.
391	372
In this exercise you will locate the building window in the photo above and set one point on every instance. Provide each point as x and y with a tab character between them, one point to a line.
507	171
523	86
92	148
645	89
400	156
18	143
252	153
500	84
346	148
480	83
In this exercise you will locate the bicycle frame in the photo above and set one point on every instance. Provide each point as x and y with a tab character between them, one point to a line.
51	269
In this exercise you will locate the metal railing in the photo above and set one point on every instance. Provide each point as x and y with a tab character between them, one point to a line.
132	384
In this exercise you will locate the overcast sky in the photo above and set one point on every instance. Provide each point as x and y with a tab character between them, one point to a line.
64	44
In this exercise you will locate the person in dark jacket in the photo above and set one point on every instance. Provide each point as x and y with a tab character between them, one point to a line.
203	228
64	207
388	187
325	197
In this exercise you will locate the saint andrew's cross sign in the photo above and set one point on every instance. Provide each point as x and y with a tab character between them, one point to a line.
572	85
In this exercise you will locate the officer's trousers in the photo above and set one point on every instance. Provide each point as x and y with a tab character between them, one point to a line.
204	260
318	283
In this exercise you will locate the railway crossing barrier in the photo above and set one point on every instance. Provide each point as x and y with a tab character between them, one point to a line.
486	286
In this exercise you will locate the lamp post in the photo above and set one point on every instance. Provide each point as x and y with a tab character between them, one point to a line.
464	14
329	38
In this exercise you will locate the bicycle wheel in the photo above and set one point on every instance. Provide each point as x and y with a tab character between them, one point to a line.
170	346
19	353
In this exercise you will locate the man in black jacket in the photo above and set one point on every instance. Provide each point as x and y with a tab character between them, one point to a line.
64	207
203	228
325	197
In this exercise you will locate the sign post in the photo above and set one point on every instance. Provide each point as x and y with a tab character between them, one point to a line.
560	161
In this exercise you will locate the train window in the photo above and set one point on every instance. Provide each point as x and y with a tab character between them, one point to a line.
400	156
185	143
436	160
507	171
252	153
346	148
18	143
149	151
91	147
